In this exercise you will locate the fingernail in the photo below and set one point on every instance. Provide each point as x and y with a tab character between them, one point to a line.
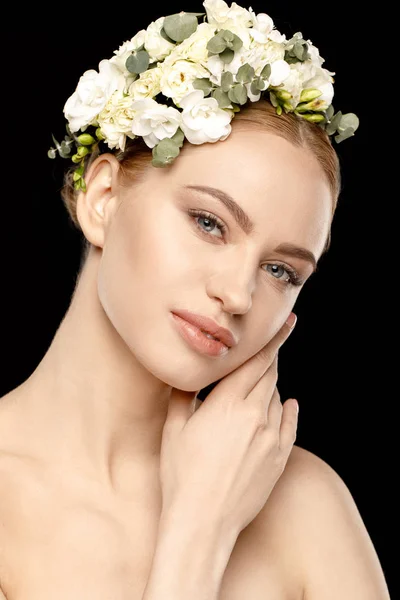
291	320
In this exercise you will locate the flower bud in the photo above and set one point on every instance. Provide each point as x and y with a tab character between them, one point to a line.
76	158
314	118
310	94
82	151
86	139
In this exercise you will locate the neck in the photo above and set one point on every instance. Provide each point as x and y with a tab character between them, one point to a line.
90	404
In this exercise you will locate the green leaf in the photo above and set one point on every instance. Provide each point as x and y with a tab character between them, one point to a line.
138	62
83	184
221	97
77	185
273	99
348	121
343	135
254	87
180	26
166	36
226	81
76	176
80	169
236	44
227	55
86	139
203	83
266	72
334	124
260	84
52	153
216	44
178	137
330	111
245	73
238	94
227	35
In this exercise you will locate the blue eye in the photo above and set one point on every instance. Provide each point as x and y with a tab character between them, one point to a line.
213	222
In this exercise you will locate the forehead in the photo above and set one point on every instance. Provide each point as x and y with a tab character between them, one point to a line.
281	187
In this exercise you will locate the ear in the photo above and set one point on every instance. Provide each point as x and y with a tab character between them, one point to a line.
96	206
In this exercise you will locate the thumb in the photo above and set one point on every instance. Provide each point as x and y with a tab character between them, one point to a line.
180	408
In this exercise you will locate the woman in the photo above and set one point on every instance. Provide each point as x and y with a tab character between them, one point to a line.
116	483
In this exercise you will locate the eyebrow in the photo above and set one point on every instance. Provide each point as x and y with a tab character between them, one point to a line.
246	224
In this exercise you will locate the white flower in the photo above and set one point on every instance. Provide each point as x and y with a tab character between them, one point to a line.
262	27
147	85
224	17
203	120
293	84
154	121
124	51
115	120
194	47
91	95
177	78
155	44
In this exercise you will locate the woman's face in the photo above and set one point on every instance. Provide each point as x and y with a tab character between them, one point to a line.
160	256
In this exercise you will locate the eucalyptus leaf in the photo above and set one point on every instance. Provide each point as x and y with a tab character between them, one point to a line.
166	36
238	94
227	35
57	144
226	81
346	133
138	62
227	55
221	97
254	87
266	72
180	26
203	83
178	137
216	44
260	84
348	121
52	153
236	44
245	73
334	123
273	99
330	111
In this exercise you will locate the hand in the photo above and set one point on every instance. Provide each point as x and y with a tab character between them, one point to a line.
224	459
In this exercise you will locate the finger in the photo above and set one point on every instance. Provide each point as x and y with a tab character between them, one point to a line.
288	428
242	380
261	394
181	407
275	410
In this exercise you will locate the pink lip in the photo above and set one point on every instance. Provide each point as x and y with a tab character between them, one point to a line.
208	325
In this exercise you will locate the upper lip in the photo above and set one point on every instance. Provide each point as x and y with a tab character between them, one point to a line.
208	325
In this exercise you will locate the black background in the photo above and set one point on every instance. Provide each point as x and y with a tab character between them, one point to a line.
336	362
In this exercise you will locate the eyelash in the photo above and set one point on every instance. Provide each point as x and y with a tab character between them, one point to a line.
294	278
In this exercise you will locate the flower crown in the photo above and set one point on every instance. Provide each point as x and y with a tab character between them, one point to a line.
183	79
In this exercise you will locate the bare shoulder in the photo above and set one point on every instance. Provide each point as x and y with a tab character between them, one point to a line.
321	524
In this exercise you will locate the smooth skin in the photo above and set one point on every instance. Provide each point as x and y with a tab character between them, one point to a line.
80	493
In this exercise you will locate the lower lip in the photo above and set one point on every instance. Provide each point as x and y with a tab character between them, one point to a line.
197	339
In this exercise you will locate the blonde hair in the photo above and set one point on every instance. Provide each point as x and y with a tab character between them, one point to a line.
135	161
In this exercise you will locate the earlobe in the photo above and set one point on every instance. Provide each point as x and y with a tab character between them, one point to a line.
96	206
